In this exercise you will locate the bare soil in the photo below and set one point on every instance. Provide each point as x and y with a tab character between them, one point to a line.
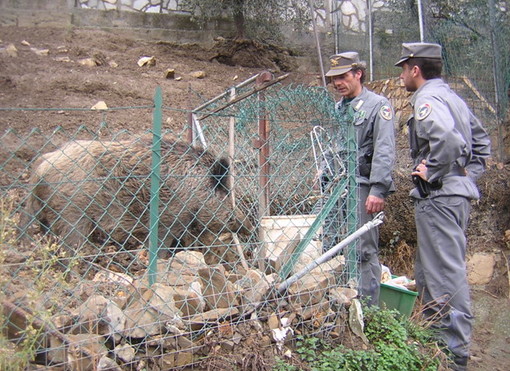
57	80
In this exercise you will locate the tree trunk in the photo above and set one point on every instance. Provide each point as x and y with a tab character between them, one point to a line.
239	20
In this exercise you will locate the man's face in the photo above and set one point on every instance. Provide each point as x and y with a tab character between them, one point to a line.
408	76
348	84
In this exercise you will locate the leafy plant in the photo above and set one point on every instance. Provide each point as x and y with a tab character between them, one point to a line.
281	365
309	347
396	343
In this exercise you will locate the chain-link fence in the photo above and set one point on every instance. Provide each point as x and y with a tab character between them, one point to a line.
474	35
137	250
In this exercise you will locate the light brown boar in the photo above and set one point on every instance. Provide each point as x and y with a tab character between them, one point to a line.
100	191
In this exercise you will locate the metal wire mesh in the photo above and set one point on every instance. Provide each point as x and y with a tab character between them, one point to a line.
81	286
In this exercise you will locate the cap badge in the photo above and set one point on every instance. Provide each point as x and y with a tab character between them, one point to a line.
423	111
334	62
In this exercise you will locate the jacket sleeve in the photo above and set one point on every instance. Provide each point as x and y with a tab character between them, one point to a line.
383	158
446	143
480	148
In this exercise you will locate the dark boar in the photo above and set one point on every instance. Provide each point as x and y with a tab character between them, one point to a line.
99	191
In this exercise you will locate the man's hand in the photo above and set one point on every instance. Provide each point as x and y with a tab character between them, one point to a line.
374	204
421	170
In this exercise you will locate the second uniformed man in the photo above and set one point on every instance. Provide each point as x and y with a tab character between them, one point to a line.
449	147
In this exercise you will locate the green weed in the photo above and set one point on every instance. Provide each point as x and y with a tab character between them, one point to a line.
396	344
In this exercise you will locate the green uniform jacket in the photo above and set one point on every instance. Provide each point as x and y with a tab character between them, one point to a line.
373	120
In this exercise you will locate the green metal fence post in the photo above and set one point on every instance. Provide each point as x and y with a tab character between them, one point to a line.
155	185
352	200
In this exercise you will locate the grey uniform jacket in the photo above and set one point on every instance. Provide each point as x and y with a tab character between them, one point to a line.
444	132
373	120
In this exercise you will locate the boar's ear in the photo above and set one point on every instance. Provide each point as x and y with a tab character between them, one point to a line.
219	174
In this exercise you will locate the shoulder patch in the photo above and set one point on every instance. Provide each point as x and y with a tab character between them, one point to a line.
423	111
386	112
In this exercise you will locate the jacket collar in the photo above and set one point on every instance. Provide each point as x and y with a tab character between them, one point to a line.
358	101
428	84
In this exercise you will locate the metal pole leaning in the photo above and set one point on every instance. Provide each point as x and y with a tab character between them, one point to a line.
378	219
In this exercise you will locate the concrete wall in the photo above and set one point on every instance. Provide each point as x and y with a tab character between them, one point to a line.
177	26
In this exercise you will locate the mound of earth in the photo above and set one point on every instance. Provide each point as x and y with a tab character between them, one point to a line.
250	53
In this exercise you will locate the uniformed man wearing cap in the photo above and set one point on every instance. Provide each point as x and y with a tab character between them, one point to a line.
372	117
449	147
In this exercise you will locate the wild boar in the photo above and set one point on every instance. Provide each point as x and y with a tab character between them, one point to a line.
100	191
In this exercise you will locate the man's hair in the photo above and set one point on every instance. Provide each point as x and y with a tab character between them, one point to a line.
363	70
430	68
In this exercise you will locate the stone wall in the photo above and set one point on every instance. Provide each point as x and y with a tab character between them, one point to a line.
176	27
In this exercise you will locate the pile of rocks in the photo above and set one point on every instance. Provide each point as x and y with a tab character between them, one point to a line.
123	320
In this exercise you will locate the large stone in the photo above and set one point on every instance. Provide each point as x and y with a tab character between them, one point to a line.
335	266
161	299
348	8
40	52
184	359
189	300
198	74
177	279
84	350
147	316
480	268
113	277
101	105
147	61
141	321
273	321
187	262
255	290
213	316
57	352
315	310
170	73
101	315
218	291
310	289
10	51
356	320
342	295
107	364
282	251
180	270
125	352
88	62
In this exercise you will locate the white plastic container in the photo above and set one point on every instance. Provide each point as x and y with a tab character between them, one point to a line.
281	235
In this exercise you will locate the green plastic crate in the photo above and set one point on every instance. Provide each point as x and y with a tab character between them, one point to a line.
392	297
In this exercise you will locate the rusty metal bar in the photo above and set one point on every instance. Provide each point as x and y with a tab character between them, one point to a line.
231	153
262	145
246	95
238	86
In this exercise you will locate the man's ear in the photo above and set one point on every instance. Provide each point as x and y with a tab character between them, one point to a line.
415	70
